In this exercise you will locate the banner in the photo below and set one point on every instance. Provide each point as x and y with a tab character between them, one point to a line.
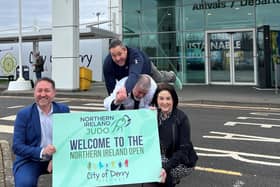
92	54
106	148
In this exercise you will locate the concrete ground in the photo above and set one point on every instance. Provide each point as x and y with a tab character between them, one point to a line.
249	95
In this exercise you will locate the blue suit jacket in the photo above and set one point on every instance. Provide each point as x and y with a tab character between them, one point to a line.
27	133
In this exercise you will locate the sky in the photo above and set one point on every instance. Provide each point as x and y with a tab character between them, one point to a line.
40	11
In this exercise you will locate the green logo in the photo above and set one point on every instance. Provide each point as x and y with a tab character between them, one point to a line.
119	124
8	64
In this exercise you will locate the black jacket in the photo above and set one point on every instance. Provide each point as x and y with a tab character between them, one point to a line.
39	64
182	152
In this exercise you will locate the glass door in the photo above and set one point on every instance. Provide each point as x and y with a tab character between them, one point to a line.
243	57
219	55
231	57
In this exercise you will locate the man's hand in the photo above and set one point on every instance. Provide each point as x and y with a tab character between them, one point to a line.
49	150
49	169
121	95
153	108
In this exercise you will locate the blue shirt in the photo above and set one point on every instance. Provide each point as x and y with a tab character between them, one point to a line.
46	128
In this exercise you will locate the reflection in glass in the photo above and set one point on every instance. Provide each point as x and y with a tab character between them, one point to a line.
194	58
219	53
243	57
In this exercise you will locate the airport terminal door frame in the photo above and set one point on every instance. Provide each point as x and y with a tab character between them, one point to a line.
231	72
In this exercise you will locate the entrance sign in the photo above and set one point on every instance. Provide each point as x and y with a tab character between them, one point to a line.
106	148
232	4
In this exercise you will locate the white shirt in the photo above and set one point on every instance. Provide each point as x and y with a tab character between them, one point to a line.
129	102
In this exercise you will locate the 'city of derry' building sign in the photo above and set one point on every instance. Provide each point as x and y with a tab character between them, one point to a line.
232	4
106	148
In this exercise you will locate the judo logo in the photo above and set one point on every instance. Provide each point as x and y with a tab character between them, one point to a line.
119	124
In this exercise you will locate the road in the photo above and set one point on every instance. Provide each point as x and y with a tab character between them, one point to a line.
237	146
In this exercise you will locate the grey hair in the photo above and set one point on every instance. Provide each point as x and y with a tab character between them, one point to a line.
144	82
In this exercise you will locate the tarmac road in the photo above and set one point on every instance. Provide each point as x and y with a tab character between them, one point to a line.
190	95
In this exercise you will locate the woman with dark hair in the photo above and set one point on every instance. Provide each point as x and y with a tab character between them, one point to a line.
174	133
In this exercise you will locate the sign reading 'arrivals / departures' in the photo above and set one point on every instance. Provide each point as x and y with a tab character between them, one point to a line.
106	148
232	4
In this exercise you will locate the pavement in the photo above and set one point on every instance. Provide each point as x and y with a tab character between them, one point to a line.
190	94
6	177
201	94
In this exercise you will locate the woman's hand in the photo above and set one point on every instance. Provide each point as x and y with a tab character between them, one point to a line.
162	175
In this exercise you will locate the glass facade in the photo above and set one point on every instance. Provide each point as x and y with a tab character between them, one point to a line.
179	35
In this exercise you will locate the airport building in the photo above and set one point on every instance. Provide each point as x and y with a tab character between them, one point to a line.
227	42
230	42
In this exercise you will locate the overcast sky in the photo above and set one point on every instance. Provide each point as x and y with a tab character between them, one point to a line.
39	11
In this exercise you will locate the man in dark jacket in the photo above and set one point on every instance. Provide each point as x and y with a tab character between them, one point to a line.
38	65
125	61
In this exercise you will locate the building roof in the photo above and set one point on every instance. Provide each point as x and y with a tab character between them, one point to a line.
46	35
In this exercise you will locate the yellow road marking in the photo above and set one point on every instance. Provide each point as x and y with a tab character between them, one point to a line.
226	172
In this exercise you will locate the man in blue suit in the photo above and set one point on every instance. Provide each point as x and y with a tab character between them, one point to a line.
32	140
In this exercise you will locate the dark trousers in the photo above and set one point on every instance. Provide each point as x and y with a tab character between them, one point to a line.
27	175
38	75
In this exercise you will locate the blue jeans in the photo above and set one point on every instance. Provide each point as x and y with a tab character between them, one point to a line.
38	75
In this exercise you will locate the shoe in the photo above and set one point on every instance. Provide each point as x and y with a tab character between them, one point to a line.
178	84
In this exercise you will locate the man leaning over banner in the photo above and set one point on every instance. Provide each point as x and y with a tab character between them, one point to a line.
140	97
32	140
